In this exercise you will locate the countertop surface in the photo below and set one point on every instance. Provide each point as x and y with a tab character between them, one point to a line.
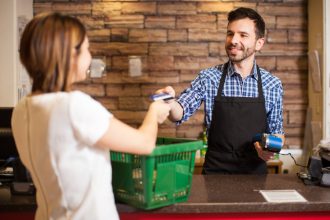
241	193
218	194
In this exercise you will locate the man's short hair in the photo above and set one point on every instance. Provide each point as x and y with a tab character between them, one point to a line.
241	13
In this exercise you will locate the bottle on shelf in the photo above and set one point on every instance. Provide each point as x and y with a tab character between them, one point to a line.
204	149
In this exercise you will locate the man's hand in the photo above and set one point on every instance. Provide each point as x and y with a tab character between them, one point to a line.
167	89
176	112
263	154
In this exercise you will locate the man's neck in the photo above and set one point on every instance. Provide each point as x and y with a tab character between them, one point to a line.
244	67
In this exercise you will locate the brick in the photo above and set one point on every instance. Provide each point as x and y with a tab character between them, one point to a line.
160	63
270	21
124	21
133	103
180	87
179	49
147	35
102	8
119	62
295	94
294	131
298	36
217	49
124	78
92	23
123	90
167	131
281	10
188	75
289	107
294	142
239	4
292	63
119	34
96	90
149	89
99	35
267	63
297	22
277	36
214	7
159	22
195	63
110	77
297	117
164	74
287	101
118	48
222	22
139	7
73	8
197	21
189	131
292	77
280	49
164	80
207	62
178	35
176	8
285	119
108	64
41	7
186	63
201	35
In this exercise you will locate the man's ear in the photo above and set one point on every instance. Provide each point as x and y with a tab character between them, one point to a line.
260	42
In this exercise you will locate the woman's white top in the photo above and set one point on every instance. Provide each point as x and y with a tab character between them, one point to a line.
55	134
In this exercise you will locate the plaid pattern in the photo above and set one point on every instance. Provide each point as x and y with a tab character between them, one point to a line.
205	87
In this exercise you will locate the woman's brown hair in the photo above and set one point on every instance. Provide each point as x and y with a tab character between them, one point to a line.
46	50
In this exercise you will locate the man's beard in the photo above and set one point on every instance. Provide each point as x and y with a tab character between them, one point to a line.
238	58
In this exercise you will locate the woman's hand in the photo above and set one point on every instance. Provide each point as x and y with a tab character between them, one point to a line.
162	110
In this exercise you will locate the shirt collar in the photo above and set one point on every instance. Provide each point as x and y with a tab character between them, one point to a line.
231	70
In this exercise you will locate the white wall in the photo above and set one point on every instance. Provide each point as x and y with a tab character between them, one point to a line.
7	54
10	67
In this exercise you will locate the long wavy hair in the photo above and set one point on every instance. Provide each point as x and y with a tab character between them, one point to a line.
46	48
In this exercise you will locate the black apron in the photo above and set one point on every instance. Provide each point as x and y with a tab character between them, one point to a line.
235	121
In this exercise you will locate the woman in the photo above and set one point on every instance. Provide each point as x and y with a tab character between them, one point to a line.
63	136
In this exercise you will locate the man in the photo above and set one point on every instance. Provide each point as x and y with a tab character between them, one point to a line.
240	100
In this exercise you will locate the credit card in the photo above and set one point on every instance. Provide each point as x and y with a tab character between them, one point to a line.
162	96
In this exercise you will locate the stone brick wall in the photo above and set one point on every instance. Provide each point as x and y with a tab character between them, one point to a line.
175	40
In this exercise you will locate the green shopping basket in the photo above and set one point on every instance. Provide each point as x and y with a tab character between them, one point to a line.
159	179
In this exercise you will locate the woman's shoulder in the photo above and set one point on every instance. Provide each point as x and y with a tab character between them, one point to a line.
79	96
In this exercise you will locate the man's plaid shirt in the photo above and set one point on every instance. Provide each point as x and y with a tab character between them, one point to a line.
205	87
